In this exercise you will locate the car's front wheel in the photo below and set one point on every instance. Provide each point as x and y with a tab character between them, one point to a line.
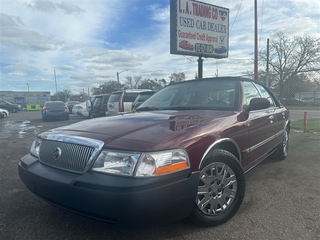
221	189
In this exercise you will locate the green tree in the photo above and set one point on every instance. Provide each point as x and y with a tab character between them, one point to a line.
63	95
107	87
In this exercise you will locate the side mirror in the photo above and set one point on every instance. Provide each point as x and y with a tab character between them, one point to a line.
257	104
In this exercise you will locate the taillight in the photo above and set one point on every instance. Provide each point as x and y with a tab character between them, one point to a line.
66	109
101	107
45	109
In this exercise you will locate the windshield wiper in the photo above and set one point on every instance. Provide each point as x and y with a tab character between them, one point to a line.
146	109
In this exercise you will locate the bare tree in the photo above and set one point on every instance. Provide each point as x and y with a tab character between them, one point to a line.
129	82
177	77
289	57
136	80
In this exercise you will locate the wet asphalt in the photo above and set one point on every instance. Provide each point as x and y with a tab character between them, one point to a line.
282	198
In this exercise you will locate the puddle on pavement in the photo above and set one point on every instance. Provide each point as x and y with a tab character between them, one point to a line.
18	128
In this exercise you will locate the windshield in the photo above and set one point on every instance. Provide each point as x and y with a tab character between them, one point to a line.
208	94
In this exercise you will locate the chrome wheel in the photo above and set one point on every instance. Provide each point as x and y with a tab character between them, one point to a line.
217	188
221	189
282	149
285	142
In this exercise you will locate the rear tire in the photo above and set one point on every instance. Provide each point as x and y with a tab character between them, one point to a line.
282	149
221	189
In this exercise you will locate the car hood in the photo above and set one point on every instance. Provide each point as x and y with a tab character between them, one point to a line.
144	130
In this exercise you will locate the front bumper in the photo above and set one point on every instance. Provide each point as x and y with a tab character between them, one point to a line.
124	201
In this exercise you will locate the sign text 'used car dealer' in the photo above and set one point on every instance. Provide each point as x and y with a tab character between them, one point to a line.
199	29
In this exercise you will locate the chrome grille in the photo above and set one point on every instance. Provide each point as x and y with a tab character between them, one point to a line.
74	157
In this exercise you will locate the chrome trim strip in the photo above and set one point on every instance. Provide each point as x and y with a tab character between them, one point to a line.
250	149
217	142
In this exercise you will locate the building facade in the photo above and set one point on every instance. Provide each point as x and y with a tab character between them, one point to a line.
24	98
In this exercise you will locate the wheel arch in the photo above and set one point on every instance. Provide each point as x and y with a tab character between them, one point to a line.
287	125
226	144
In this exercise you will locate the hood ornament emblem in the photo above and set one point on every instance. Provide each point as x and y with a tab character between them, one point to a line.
57	154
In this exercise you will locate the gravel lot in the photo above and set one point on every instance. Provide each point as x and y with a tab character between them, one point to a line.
282	198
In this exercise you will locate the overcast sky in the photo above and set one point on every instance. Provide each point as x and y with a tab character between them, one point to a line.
85	43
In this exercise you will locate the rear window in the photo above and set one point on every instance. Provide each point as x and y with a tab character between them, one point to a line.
105	99
130	97
97	101
115	97
58	104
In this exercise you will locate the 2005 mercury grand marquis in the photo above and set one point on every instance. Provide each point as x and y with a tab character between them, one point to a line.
182	153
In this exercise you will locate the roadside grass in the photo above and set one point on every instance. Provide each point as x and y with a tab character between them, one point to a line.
313	125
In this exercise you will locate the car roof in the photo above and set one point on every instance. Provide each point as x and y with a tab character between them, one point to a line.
131	90
215	79
54	102
147	92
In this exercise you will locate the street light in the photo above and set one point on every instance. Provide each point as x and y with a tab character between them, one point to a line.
28	87
118	73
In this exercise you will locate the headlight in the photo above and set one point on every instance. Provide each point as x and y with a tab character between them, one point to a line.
121	163
35	147
141	164
164	162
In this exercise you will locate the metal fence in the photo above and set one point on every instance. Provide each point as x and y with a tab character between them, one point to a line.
301	95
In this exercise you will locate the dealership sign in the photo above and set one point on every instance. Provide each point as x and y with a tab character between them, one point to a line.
198	29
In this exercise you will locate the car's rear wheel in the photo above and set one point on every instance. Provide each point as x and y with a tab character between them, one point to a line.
221	189
282	149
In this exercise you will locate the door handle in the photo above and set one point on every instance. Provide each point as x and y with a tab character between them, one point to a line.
271	118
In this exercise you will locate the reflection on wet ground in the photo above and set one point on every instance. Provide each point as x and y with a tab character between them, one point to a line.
19	129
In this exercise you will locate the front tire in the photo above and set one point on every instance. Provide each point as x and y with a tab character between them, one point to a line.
221	189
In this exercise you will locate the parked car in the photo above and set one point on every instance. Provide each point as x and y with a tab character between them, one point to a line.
121	101
5	112
183	153
11	107
75	108
54	110
89	104
70	105
99	106
82	109
141	98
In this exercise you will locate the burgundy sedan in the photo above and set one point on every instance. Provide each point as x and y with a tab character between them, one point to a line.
182	154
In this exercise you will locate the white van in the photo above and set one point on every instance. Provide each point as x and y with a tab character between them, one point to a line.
121	101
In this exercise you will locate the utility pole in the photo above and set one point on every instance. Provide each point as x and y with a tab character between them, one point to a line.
118	73
200	67
267	77
255	42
